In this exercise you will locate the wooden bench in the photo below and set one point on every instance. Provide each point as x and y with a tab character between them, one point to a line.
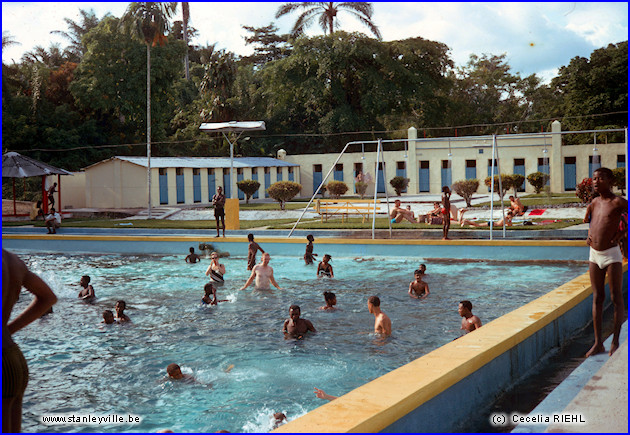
345	207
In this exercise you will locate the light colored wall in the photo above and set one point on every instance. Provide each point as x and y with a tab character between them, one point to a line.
509	148
72	189
118	184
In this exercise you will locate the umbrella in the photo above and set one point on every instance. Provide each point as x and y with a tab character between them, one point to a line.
234	126
15	165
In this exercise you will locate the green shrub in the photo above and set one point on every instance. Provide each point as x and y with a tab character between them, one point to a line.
506	184
399	184
619	177
283	191
517	181
361	188
537	180
585	191
466	189
336	188
248	187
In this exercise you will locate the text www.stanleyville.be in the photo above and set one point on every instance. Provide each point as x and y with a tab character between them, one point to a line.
91	419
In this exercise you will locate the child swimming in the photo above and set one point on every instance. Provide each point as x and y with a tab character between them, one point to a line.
331	301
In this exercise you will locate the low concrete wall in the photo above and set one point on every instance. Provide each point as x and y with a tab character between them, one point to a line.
440	391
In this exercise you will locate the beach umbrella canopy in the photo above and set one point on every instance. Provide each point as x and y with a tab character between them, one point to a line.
15	165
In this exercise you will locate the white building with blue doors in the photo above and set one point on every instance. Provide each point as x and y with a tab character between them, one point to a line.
121	181
431	163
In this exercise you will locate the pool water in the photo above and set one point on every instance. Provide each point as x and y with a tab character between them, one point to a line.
79	366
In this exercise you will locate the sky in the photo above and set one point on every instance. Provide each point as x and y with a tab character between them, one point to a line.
536	37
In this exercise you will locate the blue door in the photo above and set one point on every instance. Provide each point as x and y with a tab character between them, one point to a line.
381	179
267	181
163	187
621	161
519	168
471	173
423	177
317	177
239	177
179	184
569	174
401	171
338	173
593	165
255	178
226	183
446	176
196	186
212	185
291	176
544	168
496	172
279	174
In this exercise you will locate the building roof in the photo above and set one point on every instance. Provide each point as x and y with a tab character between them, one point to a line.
202	162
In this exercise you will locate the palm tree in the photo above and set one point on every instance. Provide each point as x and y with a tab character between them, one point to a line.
148	21
327	13
186	18
76	31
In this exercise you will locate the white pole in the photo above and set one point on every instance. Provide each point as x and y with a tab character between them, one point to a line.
319	187
494	145
378	147
149	125
500	190
380	143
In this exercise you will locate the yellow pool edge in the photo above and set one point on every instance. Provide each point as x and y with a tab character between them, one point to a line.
378	404
323	241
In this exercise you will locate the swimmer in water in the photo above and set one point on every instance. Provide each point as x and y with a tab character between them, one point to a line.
418	289
87	294
279	419
331	301
470	322
422	268
294	327
252	249
263	274
382	322
108	317
210	296
121	317
308	255
324	268
321	394
174	372
192	257
216	270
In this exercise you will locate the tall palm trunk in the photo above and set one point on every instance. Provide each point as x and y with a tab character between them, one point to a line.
186	14
149	123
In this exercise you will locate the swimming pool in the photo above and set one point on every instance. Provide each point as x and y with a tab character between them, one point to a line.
77	367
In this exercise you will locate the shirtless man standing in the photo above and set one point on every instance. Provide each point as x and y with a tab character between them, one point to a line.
397	214
470	322
294	327
263	273
418	289
446	211
382	322
605	256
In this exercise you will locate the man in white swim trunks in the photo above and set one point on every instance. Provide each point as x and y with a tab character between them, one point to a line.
604	233
263	274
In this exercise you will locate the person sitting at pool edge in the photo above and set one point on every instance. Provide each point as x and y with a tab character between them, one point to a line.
331	301
324	268
53	221
294	327
192	257
87	294
382	322
470	322
263	274
108	317
418	289
121	317
209	290
397	213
